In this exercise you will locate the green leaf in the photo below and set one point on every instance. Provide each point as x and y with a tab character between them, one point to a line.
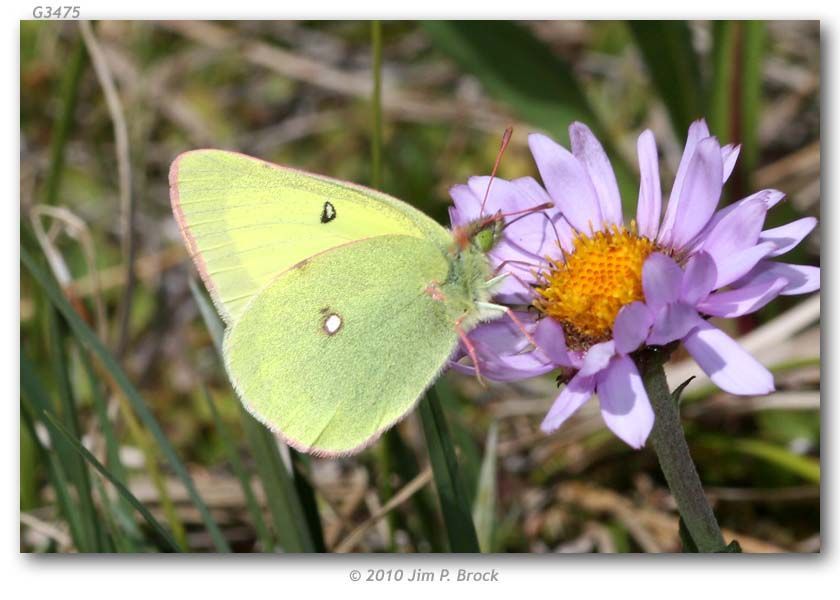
56	426
677	393
517	68
673	67
520	70
732	547
451	493
90	341
484	508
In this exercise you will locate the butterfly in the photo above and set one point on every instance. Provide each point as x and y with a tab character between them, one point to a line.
342	305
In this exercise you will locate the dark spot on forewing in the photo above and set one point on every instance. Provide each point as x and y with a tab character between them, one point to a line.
328	213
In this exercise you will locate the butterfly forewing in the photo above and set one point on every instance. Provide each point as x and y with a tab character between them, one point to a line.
245	220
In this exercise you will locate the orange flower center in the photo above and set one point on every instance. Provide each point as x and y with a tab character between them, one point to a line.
585	291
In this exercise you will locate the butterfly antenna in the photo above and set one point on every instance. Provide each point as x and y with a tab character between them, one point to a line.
521	214
505	141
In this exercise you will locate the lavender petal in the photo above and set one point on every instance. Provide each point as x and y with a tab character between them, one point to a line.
588	150
624	402
567	183
661	281
729	366
742	301
650	193
631	327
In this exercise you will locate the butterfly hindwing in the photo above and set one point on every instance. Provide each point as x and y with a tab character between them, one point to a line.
339	347
246	220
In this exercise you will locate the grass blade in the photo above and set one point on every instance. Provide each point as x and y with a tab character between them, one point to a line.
300	472
34	401
208	315
56	426
724	61
383	449
422	521
90	341
484	508
451	493
754	34
672	63
118	541
290	524
263	534
74	465
735	97
468	452
112	453
804	466
69	94
28	470
376	106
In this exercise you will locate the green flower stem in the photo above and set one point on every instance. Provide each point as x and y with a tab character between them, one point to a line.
674	459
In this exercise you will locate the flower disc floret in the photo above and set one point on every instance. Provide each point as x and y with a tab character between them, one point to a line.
585	290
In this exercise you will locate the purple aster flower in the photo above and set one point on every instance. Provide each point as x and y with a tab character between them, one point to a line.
603	290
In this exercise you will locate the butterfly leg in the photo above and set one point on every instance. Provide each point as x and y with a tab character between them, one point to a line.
512	261
468	345
433	290
499	276
490	308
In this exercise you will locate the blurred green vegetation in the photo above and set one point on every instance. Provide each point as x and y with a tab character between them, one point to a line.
143	446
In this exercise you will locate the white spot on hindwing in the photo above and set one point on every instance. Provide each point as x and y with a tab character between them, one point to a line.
332	324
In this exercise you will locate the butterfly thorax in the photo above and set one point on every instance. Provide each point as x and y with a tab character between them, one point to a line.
469	281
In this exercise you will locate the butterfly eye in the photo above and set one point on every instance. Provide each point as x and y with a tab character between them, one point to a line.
485	240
